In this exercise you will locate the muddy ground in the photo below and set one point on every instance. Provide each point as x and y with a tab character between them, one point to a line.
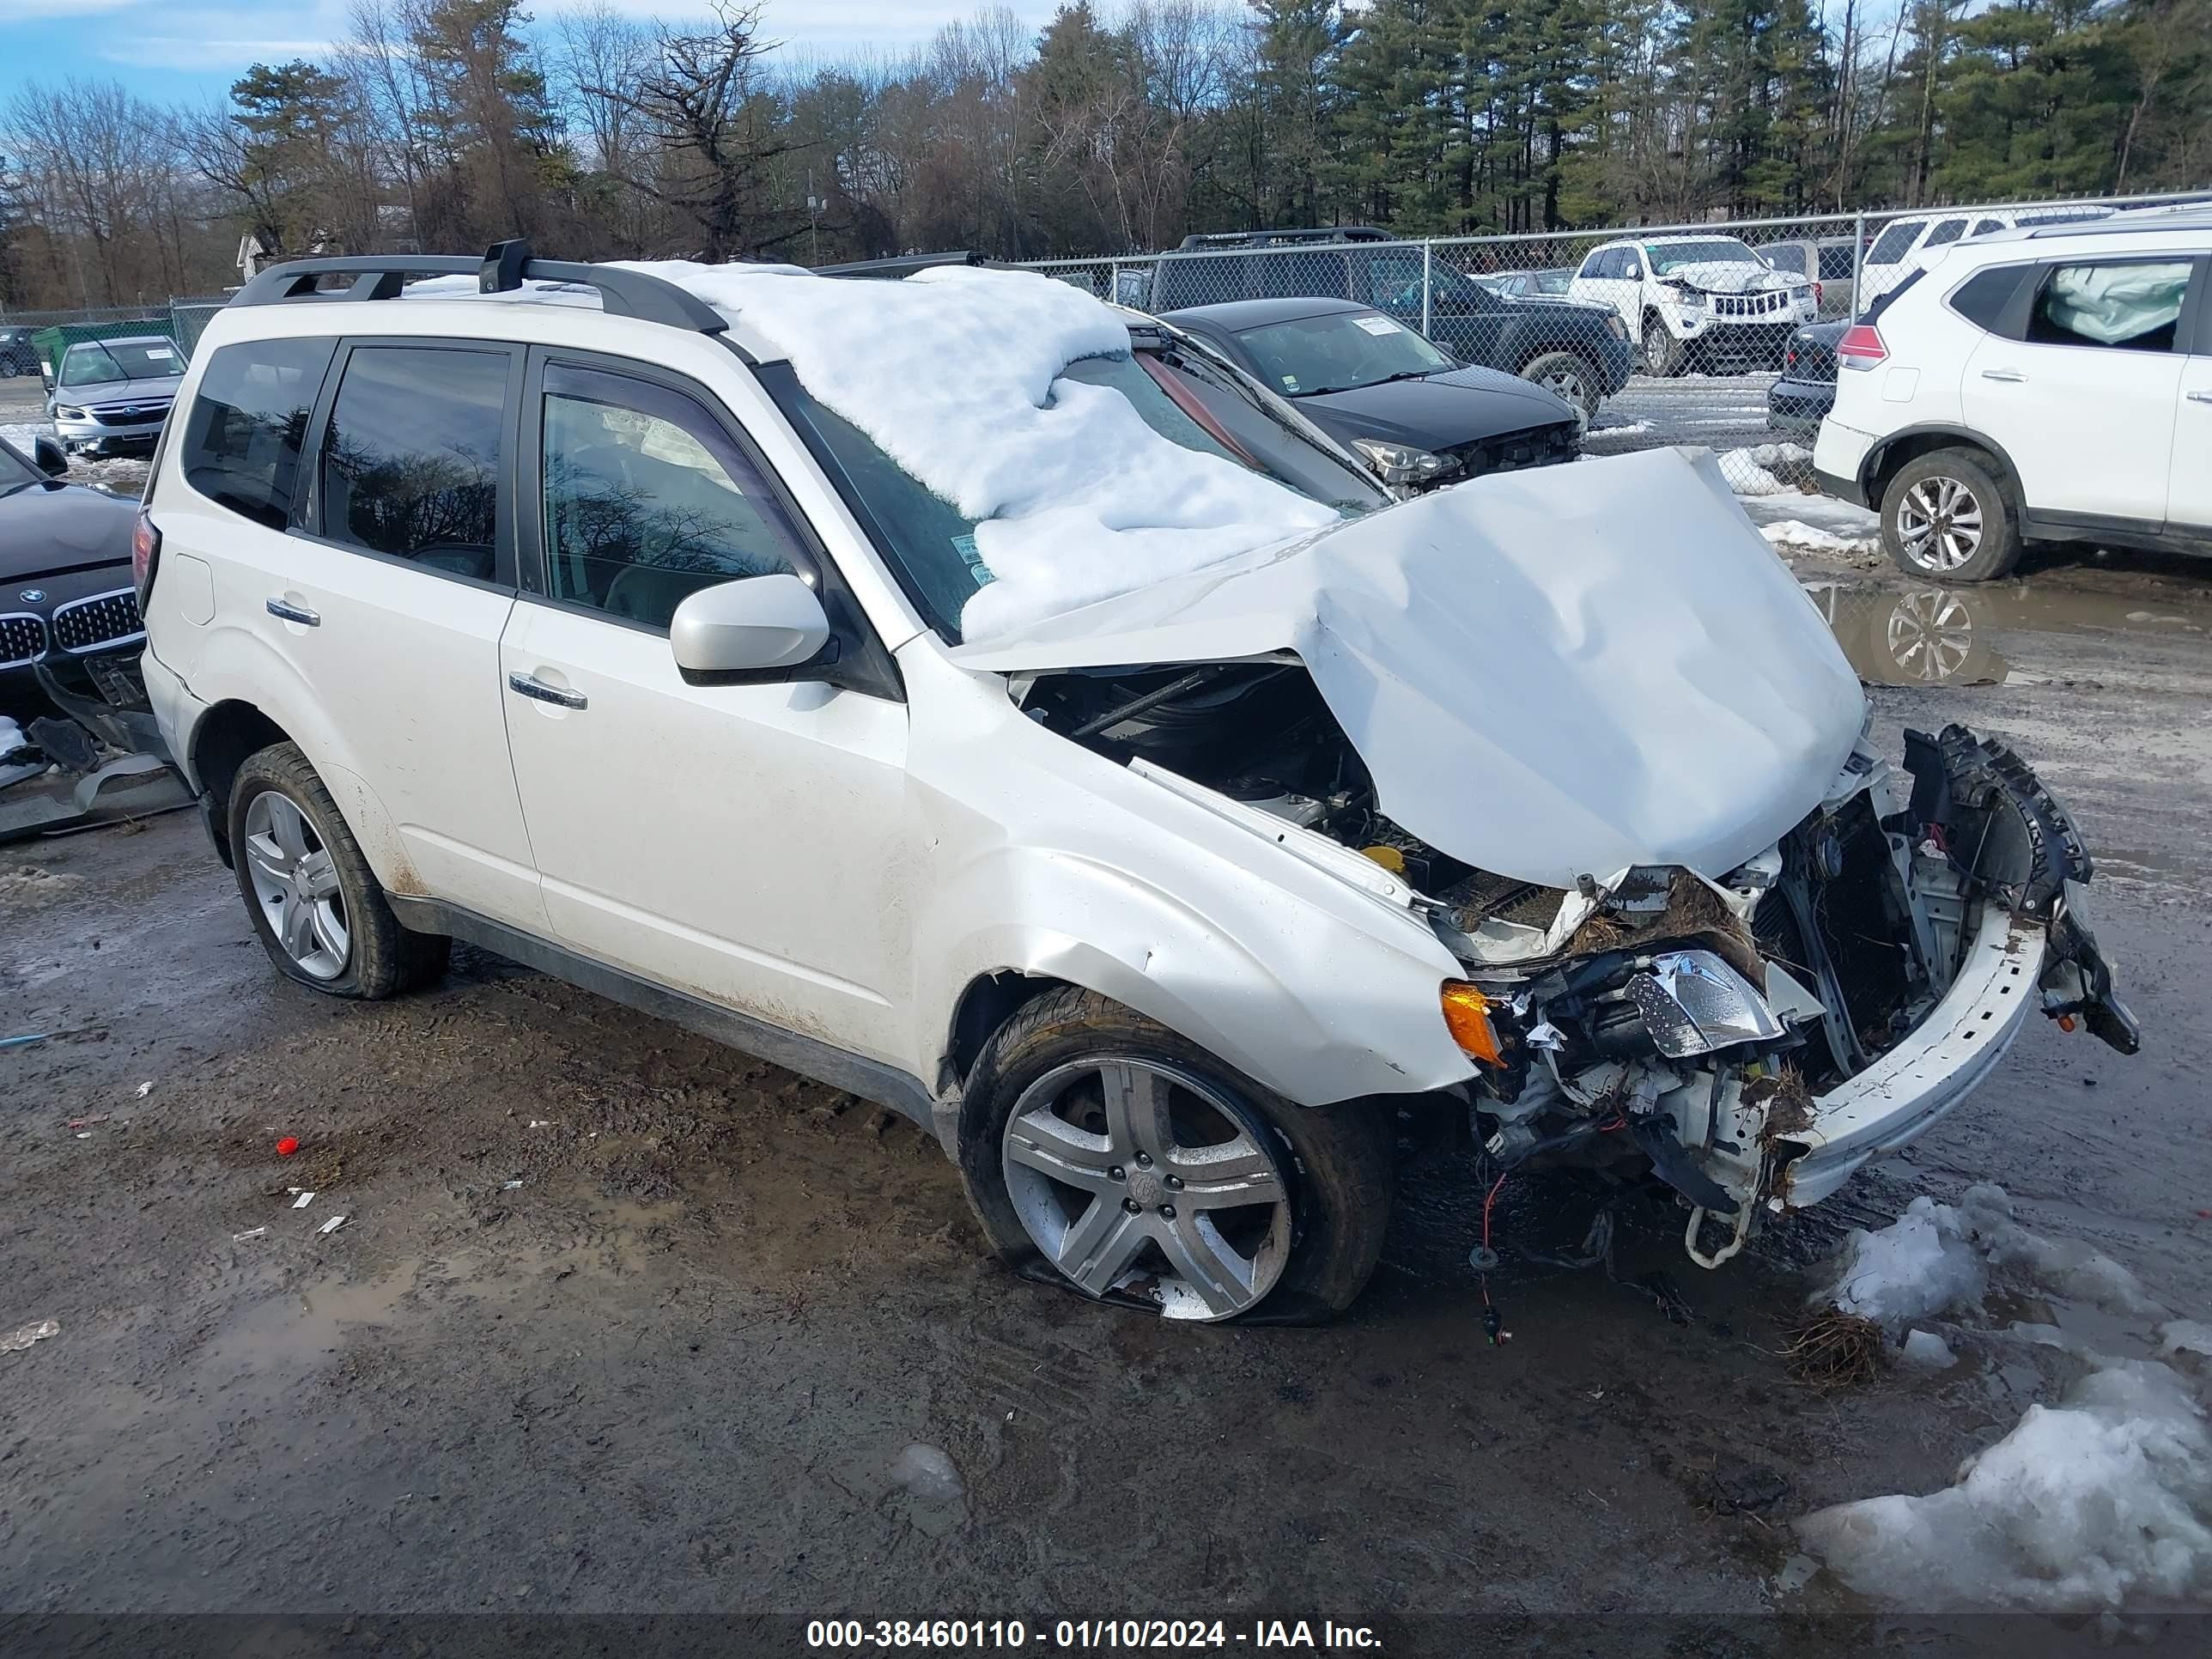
673	1371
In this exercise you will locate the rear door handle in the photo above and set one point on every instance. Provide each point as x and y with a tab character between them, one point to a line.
2009	376
529	685
2200	397
285	610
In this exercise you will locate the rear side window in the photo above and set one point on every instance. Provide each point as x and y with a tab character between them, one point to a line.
243	437
1836	265
1947	232
1983	227
1306	275
1787	256
1982	297
1890	246
410	460
2127	306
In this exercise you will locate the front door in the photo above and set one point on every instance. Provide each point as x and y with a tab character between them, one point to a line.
740	842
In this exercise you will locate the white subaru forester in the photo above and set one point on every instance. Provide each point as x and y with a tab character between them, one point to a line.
991	703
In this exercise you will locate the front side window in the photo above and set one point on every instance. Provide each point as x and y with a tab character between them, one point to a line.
1340	352
646	500
2128	305
1789	256
91	363
248	422
410	464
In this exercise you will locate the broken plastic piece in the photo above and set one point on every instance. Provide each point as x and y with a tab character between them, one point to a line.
23	1335
331	1226
27	1037
303	1201
287	1146
251	1232
145	1089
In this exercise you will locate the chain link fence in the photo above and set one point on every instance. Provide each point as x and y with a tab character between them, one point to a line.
1719	334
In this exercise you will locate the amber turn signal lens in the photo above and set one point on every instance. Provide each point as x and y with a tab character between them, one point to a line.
1466	1016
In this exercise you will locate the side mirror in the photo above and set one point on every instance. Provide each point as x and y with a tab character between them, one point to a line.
759	625
52	458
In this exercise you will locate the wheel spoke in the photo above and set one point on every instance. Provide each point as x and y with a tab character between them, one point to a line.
267	857
1099	1247
330	933
298	928
1049	1144
1137	1109
320	874
1205	1261
287	826
1222	1178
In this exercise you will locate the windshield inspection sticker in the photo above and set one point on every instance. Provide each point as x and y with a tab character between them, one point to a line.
966	546
1290	383
1376	324
160	354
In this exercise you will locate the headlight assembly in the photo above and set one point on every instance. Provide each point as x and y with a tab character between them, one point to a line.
1402	463
1693	1003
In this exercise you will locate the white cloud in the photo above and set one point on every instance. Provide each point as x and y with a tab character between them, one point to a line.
169	52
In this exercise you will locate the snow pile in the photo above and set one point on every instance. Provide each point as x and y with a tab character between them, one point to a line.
955	374
1936	1259
2083	1506
1928	1351
1760	469
1795	532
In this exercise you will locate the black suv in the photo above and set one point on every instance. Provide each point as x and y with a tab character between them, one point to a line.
1579	351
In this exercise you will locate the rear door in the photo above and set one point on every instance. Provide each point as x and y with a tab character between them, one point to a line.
743	842
2080	385
2189	498
388	599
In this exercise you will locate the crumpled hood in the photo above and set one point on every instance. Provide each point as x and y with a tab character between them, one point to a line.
1550	673
1721	279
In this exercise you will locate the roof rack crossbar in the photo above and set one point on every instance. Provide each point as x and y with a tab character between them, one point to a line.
903	265
505	266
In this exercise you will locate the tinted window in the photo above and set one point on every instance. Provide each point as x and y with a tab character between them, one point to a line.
242	440
1949	231
1789	256
647	500
1889	247
410	460
1983	227
1304	275
1836	265
1981	299
1594	267
2130	306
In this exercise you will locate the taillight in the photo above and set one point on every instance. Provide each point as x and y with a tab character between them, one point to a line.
1819	294
145	555
1861	347
1789	357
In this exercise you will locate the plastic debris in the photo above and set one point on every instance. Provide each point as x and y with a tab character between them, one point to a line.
541	1123
86	1122
303	1201
23	1335
84	1135
287	1146
145	1089
251	1232
509	1186
27	1037
331	1226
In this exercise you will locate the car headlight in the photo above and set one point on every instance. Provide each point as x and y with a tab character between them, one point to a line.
1402	462
1689	299
1801	295
1693	1003
68	412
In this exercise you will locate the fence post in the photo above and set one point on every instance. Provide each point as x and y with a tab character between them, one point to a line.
1858	260
1428	270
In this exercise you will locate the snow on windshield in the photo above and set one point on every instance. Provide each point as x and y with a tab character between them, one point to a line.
955	373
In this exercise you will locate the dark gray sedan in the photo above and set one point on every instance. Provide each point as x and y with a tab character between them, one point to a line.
1416	416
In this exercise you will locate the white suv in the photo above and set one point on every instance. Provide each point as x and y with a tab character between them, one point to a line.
1706	301
2044	384
991	703
1903	245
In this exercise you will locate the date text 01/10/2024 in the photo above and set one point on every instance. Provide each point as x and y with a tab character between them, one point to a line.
1087	1634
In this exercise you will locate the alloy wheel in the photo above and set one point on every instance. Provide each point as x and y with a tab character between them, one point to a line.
296	883
1135	1175
1566	384
1939	524
1929	634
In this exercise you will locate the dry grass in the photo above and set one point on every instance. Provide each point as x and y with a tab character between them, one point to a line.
1830	1350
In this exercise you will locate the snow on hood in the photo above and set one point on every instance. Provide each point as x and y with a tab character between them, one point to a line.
955	373
1550	673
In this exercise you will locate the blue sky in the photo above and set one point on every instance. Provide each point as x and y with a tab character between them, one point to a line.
176	49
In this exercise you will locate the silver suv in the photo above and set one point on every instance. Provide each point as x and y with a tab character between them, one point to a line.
110	394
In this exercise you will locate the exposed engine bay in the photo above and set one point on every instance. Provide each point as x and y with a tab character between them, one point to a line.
1659	1023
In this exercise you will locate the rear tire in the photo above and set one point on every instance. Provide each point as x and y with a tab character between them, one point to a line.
1569	375
1329	1169
1945	519
316	906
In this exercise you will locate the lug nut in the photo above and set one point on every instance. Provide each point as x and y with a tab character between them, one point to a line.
1168	1212
1144	1160
1115	1174
1133	1206
1175	1183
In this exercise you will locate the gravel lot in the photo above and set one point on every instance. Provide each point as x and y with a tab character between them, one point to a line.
679	1369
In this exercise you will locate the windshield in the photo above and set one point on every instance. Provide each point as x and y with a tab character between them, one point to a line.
95	361
1668	258
931	545
1340	352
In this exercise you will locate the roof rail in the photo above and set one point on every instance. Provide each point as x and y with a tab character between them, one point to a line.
2192	217
903	265
1216	239
505	267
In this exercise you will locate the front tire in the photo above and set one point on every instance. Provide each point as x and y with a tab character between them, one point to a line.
1101	1149
1566	375
1944	518
1662	352
316	905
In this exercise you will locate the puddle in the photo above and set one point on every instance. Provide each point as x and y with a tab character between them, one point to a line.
295	1330
1915	636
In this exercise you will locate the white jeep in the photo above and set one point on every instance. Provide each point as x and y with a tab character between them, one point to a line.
1707	301
991	703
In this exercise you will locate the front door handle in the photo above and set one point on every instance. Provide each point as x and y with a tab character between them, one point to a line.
2200	397
286	610
531	686
2009	376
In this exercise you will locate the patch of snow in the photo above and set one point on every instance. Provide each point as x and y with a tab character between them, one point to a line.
1795	532
1826	512
2185	1336
21	433
928	1473
956	374
1752	470
1928	1351
2085	1506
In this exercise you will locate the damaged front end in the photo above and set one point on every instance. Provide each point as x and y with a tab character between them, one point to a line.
1755	1039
